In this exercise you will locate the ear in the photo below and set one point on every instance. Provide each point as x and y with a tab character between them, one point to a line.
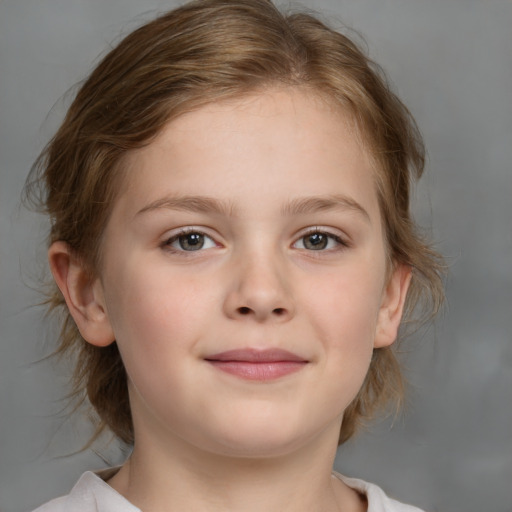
392	306
83	294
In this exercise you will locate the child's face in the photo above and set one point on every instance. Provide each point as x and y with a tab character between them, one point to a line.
248	226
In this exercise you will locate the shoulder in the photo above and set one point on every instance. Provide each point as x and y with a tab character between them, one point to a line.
378	501
80	499
90	494
56	505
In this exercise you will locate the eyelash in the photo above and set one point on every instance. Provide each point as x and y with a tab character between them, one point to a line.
340	242
168	243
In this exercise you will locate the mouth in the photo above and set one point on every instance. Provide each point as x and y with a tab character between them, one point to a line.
259	365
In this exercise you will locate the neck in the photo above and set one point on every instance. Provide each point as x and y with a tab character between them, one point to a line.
181	477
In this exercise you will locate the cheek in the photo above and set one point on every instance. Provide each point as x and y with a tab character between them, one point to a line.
345	322
156	321
345	306
154	312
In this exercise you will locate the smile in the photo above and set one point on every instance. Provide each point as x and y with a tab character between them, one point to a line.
259	365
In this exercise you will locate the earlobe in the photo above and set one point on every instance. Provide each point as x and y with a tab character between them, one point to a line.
83	295
392	306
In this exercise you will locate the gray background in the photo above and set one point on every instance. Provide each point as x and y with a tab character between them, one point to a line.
451	61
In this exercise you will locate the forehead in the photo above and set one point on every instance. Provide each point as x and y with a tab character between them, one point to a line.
284	141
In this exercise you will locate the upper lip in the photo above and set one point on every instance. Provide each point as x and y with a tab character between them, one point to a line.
256	356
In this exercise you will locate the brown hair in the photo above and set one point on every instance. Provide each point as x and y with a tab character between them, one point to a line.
202	52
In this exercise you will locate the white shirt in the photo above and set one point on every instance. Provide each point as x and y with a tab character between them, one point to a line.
92	494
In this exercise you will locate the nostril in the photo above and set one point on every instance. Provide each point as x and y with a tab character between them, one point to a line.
245	310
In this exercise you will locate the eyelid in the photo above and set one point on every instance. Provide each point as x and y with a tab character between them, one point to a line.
175	234
333	233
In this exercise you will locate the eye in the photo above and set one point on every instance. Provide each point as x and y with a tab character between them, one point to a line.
319	241
190	241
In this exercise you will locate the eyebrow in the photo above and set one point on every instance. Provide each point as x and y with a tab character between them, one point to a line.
322	203
299	206
201	204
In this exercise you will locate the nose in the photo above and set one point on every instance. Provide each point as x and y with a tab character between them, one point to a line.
259	290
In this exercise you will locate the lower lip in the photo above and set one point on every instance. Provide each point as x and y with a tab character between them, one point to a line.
260	370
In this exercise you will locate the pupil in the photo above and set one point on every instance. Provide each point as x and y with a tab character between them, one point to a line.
192	241
316	241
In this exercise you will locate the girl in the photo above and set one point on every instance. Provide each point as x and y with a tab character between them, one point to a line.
234	253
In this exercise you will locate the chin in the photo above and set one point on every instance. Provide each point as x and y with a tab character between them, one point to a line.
262	441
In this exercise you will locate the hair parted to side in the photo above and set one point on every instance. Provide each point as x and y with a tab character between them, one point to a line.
206	51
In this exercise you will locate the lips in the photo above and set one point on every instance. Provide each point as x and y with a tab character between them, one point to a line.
259	365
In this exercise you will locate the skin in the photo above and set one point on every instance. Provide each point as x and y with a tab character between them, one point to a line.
280	170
